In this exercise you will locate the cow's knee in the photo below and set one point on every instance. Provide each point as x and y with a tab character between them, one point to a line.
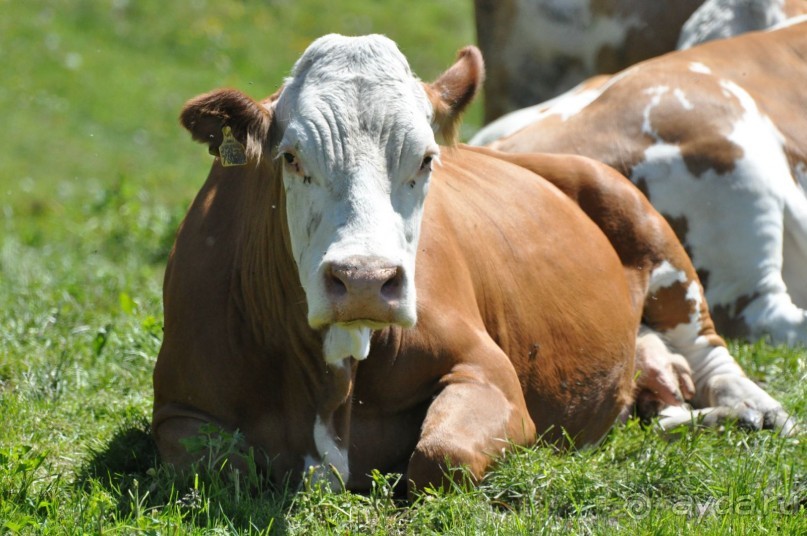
186	441
440	464
172	436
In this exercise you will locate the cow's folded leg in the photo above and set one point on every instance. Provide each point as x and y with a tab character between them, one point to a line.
469	424
721	383
718	378
179	434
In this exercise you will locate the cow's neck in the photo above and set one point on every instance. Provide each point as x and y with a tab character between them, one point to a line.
273	303
273	299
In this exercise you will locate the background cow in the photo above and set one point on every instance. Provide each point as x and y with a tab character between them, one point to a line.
719	19
715	137
297	261
536	49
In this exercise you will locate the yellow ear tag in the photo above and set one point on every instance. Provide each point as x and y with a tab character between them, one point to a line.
232	153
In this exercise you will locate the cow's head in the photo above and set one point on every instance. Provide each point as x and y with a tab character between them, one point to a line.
354	134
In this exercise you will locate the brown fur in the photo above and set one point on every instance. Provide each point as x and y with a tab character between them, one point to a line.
638	233
205	116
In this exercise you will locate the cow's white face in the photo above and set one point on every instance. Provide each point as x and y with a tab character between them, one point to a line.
357	152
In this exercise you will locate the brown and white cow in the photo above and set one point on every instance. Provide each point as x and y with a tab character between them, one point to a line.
319	302
717	138
536	49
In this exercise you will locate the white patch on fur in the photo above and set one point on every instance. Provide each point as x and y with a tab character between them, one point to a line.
655	92
682	98
329	451
565	105
734	233
719	19
687	332
509	124
665	275
330	460
792	21
342	342
698	67
705	360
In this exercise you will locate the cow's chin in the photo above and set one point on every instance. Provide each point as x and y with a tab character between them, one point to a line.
353	315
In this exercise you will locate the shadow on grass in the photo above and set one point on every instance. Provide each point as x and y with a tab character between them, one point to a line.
129	455
129	469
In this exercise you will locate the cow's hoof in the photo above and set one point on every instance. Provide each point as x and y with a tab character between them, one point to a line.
734	391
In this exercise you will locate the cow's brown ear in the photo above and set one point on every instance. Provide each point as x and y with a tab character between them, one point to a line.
454	90
231	118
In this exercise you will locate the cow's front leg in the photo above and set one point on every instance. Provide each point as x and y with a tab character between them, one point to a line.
183	437
469	424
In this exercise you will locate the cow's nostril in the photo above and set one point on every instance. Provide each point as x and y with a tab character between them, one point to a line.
335	285
391	289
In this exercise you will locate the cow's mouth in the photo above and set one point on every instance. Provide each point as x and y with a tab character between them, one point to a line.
342	341
368	323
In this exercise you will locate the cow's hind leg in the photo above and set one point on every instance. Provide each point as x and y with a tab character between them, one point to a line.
677	309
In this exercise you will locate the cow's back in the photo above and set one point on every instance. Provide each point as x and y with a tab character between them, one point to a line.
688	93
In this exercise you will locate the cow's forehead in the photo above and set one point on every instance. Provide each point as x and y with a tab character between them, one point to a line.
333	56
346	91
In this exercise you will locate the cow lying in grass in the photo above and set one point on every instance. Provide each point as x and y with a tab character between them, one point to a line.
320	302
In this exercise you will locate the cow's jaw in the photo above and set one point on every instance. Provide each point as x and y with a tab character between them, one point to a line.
356	151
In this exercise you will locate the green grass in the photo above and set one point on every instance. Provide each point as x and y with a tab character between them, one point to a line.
96	174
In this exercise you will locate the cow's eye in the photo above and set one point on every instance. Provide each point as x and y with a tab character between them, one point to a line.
426	164
293	164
